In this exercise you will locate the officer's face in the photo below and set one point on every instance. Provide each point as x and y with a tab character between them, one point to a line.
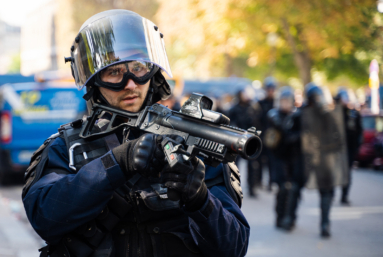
286	105
270	92
129	99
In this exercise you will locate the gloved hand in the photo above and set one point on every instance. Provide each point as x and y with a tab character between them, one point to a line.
189	183
143	155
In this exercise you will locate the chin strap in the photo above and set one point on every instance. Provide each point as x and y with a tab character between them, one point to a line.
149	98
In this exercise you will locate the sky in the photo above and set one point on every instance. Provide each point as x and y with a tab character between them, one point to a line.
14	12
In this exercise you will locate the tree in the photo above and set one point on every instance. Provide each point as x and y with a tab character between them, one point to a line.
213	37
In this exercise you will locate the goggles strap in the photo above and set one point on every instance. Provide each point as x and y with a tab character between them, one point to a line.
89	94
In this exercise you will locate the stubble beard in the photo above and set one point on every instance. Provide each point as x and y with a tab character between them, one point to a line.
133	107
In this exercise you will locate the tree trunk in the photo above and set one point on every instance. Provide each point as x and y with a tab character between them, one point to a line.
229	68
301	57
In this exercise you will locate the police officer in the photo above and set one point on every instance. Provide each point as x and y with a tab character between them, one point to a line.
277	138
313	137
292	143
108	196
243	115
315	99
266	104
354	132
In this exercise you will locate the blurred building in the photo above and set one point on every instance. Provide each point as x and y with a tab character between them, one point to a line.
9	45
49	31
38	40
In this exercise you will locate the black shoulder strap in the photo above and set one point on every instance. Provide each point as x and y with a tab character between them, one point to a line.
233	182
85	151
70	133
36	166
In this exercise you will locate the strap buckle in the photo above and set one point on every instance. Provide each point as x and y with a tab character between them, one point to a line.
71	155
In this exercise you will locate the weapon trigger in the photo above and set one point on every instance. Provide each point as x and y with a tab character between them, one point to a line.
179	149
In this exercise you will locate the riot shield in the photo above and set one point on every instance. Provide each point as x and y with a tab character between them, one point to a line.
324	147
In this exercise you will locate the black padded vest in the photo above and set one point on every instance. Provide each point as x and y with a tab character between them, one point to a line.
139	220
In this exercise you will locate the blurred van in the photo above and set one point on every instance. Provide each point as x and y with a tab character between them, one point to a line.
30	113
372	134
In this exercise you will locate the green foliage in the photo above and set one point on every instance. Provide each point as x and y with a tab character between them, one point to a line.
285	67
14	67
348	65
230	37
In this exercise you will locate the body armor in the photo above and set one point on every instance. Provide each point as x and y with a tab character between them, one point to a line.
139	220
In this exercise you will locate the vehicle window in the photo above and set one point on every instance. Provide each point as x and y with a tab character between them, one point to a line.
368	122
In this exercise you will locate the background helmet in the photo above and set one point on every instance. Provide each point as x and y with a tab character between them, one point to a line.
119	36
270	83
342	96
314	95
285	99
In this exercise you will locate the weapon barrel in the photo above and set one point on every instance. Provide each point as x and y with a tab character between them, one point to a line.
245	144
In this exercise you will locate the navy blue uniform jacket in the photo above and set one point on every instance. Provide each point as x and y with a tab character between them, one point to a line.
62	200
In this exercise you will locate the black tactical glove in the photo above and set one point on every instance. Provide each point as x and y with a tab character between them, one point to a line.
188	183
143	155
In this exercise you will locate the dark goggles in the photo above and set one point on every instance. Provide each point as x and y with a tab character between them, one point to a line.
115	77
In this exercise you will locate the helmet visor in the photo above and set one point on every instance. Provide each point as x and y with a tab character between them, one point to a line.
117	39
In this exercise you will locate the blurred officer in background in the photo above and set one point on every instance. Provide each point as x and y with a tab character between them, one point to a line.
319	134
243	115
354	133
266	104
171	103
276	138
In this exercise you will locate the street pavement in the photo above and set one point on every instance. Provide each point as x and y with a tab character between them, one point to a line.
356	230
17	238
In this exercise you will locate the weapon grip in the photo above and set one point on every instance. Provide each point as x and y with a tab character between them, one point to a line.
175	160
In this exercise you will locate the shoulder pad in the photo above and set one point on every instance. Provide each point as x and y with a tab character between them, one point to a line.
38	157
232	179
42	147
